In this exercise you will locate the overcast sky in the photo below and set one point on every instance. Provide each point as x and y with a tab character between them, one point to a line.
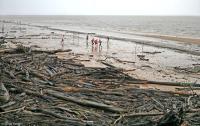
100	7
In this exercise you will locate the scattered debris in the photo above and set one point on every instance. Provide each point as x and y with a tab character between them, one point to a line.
4	95
142	57
65	92
155	52
194	69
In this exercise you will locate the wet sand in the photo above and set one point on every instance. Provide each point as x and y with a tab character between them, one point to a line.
185	39
177	38
139	38
121	53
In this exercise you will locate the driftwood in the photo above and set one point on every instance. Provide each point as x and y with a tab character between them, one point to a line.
182	84
47	112
193	110
155	52
52	51
85	102
109	65
173	83
181	93
8	104
29	92
188	88
73	89
50	113
129	70
35	51
171	119
14	110
35	73
117	70
67	110
7	51
121	61
130	115
77	95
125	61
142	57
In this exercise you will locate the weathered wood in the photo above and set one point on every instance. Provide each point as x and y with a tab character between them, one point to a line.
171	119
173	83
182	84
4	94
117	70
37	74
188	88
8	104
7	51
29	92
50	113
52	51
36	51
67	110
85	102
14	110
86	90
131	115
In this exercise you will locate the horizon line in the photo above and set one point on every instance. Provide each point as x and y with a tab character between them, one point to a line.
87	15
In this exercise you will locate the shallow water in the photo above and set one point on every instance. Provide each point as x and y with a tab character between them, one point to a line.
169	25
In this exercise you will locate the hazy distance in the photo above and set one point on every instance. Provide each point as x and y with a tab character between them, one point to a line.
100	7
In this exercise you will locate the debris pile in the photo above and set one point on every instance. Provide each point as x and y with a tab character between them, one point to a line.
45	90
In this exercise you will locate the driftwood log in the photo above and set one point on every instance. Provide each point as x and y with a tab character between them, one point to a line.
85	102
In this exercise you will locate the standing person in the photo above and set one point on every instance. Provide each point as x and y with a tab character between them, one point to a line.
108	39
108	42
87	38
100	45
92	41
62	42
96	42
3	28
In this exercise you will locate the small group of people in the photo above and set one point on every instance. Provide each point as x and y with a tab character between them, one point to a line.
95	41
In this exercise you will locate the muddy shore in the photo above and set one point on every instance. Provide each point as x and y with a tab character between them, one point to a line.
124	84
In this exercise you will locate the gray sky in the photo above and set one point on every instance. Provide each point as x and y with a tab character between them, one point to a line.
100	7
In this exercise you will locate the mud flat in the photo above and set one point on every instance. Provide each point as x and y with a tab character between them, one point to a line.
176	38
154	40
